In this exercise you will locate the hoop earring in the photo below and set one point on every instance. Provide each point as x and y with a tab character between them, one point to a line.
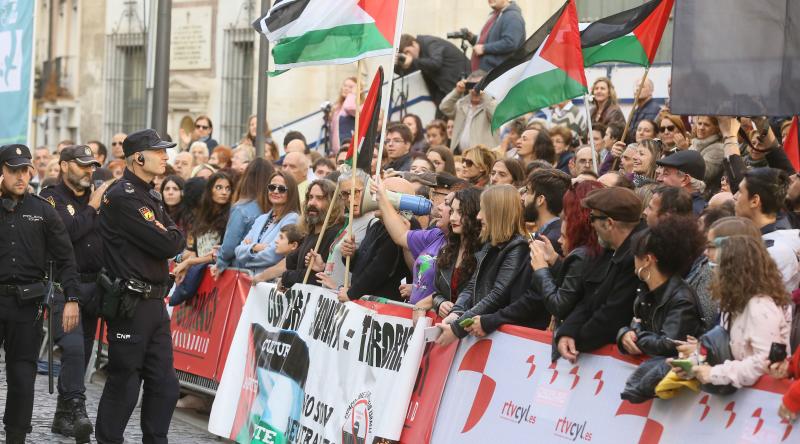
639	272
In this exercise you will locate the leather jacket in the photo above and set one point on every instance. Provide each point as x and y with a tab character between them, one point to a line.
443	291
488	288
669	312
561	294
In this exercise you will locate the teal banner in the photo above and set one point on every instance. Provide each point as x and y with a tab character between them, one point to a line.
16	69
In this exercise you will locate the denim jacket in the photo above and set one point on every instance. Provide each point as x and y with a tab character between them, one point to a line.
241	219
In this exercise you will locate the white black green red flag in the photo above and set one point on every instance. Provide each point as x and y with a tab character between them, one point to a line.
631	36
368	133
547	69
324	32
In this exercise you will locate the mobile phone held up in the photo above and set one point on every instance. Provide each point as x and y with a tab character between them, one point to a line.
777	352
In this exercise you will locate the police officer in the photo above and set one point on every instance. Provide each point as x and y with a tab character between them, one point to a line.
77	205
31	234
138	238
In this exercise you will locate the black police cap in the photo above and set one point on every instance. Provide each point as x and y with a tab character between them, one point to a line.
81	154
15	155
144	140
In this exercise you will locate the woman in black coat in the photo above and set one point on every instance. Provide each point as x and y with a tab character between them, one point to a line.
499	263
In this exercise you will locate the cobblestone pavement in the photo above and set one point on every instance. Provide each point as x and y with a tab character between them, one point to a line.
184	428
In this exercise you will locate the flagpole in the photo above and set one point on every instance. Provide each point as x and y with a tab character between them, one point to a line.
591	138
354	142
322	231
631	113
398	31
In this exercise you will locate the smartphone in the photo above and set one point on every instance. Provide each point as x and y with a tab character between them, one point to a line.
466	322
469	86
432	333
685	365
534	236
777	352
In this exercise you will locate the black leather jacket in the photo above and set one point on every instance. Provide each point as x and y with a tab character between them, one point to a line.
443	291
562	294
669	312
488	288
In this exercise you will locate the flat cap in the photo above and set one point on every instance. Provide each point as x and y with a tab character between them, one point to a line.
144	140
620	204
15	155
81	154
688	161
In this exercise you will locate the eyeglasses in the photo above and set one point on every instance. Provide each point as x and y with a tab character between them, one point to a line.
202	127
593	217
222	187
468	163
346	194
668	128
280	189
395	141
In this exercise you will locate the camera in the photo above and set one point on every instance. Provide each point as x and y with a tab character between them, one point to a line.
462	34
400	61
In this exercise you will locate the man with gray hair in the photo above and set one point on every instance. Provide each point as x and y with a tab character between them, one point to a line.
647	108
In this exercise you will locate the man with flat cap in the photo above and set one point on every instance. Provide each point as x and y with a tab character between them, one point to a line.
77	205
678	170
138	239
609	282
32	236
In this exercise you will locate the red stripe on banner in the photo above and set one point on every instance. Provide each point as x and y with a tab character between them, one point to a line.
792	144
650	31
385	14
563	48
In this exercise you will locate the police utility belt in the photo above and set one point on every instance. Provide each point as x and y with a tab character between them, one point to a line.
25	293
121	296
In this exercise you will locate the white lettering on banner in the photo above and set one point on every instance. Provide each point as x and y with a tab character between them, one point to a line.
504	389
190	342
351	385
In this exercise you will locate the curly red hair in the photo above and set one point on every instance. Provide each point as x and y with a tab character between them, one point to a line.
579	231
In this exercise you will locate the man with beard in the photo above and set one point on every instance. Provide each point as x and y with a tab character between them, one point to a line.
31	235
543	197
77	205
319	197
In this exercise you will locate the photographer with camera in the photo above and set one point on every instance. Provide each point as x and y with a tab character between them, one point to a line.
472	111
501	35
441	63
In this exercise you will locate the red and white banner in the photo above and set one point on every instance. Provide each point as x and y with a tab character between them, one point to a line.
504	389
203	327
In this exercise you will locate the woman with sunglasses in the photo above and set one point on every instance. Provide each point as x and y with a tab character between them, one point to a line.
208	227
249	202
203	130
673	133
257	251
476	165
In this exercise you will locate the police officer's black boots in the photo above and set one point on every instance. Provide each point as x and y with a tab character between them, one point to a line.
71	420
15	437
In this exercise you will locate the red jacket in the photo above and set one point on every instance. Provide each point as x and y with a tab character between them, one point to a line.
792	397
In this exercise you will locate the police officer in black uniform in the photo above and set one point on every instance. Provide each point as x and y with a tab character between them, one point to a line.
77	205
138	238
31	235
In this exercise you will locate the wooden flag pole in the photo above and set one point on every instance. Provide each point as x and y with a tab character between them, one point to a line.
591	139
631	113
322	231
359	86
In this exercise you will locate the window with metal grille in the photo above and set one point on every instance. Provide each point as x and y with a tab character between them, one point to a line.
238	55
592	10
126	99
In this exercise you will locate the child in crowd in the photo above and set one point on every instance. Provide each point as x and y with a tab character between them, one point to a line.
288	240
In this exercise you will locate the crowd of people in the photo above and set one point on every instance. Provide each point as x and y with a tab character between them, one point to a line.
650	239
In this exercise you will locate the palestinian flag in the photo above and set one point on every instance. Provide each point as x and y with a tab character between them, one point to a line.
547	69
631	36
368	133
792	144
325	32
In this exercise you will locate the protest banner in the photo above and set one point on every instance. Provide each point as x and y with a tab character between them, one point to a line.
304	367
503	388
202	327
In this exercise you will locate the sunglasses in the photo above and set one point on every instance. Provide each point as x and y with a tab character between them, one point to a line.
202	127
468	163
593	217
669	128
280	189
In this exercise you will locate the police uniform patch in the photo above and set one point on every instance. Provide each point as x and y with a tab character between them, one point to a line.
105	199
51	201
71	209
147	214
87	151
128	187
19	152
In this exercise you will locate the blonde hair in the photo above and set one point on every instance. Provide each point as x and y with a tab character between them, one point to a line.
481	156
502	212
